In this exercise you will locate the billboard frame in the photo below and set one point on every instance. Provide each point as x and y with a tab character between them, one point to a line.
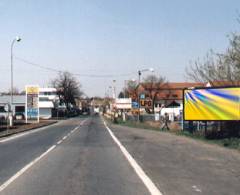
217	87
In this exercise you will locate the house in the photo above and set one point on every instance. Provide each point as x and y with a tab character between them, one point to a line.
48	100
166	97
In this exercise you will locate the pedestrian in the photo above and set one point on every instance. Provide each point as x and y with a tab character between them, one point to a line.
165	122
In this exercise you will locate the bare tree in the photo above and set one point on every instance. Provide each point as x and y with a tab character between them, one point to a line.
129	89
218	68
153	84
221	70
121	95
15	91
68	88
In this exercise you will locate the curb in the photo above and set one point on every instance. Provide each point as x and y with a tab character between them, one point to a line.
27	129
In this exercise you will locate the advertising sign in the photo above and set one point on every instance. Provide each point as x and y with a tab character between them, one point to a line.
123	103
212	104
32	103
146	103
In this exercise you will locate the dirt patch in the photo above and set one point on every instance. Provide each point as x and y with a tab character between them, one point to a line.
174	126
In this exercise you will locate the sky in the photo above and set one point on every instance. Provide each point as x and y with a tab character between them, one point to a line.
105	40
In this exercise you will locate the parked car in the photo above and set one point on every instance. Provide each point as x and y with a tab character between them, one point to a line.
86	111
3	115
19	116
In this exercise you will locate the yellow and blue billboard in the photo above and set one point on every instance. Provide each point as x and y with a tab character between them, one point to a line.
212	104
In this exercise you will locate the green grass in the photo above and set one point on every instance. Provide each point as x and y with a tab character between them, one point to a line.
233	143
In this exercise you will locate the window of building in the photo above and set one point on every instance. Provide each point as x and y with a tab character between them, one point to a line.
20	109
2	109
43	99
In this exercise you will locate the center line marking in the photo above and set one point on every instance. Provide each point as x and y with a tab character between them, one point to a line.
152	188
19	173
59	142
29	165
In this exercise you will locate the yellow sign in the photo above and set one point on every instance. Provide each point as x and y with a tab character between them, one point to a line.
32	90
146	103
212	104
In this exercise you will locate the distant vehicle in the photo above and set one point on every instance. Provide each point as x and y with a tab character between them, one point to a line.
72	112
96	110
85	111
3	113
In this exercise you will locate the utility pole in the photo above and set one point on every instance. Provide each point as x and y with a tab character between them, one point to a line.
139	81
114	90
138	95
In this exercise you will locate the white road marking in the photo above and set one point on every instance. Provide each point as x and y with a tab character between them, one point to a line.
29	165
152	188
36	130
195	188
72	131
24	169
59	142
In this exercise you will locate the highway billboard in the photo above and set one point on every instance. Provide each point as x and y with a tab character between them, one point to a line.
212	104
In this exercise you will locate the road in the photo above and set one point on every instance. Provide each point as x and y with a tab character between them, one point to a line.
82	156
88	161
182	166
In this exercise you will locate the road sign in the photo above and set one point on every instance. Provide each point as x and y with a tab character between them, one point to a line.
123	103
135	105
146	103
142	96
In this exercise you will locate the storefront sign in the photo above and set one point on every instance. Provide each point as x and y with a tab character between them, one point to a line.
32	103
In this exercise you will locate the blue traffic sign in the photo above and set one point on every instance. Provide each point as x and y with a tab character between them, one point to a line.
134	104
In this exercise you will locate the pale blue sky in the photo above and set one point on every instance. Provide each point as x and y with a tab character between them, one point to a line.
110	37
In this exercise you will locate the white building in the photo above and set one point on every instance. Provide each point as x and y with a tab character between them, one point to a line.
18	105
47	98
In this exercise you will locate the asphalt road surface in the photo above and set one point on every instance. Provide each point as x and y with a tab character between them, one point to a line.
182	166
80	156
87	161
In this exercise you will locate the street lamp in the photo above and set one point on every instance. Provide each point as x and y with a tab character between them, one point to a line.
139	80
114	89
17	39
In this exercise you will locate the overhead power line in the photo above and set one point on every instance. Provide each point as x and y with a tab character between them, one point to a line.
76	74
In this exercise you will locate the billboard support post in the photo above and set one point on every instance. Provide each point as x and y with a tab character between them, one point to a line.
205	129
